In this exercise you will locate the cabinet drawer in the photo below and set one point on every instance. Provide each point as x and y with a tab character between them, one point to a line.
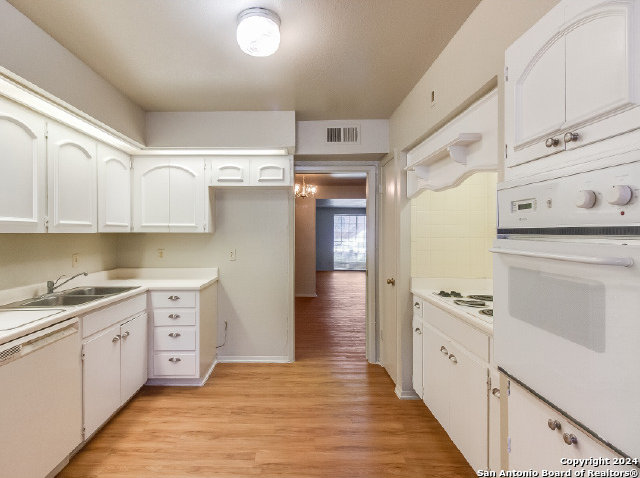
168	298
417	306
174	338
174	317
174	364
111	314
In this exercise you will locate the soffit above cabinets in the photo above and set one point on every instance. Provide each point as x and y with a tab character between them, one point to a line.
465	145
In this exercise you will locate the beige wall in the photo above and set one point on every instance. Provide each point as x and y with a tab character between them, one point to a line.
253	293
32	54
452	230
35	258
305	247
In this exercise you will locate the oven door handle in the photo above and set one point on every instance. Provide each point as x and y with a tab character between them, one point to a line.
600	261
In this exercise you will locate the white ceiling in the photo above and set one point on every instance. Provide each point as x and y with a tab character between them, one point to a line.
338	59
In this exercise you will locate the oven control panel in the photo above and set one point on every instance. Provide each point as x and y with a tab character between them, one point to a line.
608	197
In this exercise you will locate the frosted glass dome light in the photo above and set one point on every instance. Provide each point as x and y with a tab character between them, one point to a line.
258	32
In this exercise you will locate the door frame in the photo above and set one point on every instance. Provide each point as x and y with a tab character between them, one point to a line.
371	169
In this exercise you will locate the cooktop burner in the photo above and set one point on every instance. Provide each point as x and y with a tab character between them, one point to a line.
488	312
470	303
486	298
444	293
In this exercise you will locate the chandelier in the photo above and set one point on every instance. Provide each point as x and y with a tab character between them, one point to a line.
306	190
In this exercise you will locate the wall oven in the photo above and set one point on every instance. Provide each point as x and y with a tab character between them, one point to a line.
567	297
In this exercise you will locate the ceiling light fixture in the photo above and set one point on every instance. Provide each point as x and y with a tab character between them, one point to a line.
306	190
258	31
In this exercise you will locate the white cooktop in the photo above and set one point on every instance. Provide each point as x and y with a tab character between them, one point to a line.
473	311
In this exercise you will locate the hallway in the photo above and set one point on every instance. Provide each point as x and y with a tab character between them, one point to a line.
328	415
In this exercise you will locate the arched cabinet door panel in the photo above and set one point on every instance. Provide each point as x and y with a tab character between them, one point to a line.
151	195
114	190
186	208
22	169
72	180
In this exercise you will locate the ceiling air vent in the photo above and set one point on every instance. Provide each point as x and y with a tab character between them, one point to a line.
343	135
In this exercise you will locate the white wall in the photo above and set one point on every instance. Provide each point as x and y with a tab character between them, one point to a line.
253	292
35	258
469	66
312	136
222	129
32	54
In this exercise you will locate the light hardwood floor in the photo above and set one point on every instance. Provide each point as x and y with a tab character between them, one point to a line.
329	414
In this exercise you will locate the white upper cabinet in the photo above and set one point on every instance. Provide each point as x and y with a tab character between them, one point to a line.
22	169
250	171
573	79
72	180
114	190
170	195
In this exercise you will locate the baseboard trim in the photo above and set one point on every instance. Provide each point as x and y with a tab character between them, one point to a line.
406	394
182	382
254	359
306	295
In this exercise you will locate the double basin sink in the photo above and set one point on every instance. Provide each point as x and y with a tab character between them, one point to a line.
76	296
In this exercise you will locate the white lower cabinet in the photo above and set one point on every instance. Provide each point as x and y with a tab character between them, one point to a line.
114	363
495	450
417	355
184	336
455	380
541	438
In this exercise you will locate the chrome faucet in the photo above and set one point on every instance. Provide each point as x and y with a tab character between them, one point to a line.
51	285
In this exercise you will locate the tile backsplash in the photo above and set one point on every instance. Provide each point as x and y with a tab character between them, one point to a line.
452	230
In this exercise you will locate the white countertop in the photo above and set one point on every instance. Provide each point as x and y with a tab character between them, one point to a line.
143	279
425	288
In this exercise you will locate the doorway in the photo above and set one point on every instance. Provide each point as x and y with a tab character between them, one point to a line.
335	237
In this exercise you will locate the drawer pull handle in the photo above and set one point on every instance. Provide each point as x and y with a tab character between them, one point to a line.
554	424
444	350
175	359
453	358
126	334
174	316
174	334
115	339
569	438
174	297
418	331
496	392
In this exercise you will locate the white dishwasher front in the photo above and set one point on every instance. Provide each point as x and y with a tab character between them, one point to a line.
41	397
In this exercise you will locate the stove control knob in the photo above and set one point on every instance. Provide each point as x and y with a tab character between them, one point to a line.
585	199
619	195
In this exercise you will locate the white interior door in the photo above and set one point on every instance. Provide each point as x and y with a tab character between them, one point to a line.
133	356
22	169
72	181
101	378
388	323
151	195
187	195
114	190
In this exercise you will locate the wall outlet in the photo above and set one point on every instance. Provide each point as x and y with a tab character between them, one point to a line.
232	254
160	253
75	259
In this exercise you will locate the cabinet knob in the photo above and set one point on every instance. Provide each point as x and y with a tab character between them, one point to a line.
115	339
174	334
418	331
174	297
126	334
569	438
551	142
495	392
453	358
174	316
571	137
175	359
417	305
553	424
444	350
